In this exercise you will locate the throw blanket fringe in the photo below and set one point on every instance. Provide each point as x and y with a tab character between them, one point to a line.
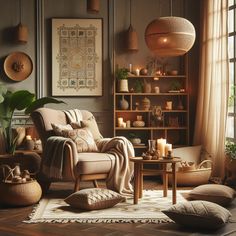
121	172
52	162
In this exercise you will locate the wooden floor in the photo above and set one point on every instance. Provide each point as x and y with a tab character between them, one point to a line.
11	222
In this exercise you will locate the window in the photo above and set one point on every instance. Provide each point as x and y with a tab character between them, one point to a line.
231	121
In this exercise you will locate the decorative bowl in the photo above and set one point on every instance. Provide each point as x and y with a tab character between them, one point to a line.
135	141
138	123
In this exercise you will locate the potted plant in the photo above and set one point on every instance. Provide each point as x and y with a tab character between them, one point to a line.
18	100
121	76
230	162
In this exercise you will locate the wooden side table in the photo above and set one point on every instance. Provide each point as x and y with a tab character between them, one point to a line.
139	172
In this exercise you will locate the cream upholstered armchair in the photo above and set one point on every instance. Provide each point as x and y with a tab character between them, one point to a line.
75	166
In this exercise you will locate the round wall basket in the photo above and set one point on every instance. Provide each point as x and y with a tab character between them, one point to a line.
18	66
170	36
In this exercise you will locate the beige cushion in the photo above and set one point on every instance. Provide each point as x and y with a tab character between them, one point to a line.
83	139
217	193
94	162
58	128
91	124
198	214
94	199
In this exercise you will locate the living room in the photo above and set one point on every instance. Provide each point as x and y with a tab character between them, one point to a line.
184	97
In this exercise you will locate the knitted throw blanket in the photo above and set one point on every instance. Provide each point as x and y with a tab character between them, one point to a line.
52	161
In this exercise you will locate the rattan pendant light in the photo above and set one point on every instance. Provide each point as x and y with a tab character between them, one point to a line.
21	30
93	6
132	37
170	36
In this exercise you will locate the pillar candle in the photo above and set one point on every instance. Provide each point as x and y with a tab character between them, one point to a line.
137	72
28	137
168	147
161	146
120	121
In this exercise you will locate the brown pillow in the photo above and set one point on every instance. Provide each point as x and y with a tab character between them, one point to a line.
198	214
217	193
58	128
91	124
83	139
94	199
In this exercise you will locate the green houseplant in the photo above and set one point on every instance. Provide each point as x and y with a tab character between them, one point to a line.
18	100
122	75
230	163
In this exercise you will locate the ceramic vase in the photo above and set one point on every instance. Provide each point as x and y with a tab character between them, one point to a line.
124	105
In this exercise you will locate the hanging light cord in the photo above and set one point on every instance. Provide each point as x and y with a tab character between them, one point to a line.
130	12
20	9
170	7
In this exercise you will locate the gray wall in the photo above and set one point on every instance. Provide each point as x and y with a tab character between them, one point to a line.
143	11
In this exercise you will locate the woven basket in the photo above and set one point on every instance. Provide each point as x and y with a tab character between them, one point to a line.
20	194
193	177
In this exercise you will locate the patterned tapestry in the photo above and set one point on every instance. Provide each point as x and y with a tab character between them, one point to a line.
77	57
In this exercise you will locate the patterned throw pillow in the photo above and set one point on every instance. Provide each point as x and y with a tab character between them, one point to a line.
198	214
83	139
94	199
58	128
91	124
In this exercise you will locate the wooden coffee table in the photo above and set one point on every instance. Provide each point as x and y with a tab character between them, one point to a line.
139	172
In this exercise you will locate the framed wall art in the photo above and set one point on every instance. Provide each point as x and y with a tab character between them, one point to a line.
77	57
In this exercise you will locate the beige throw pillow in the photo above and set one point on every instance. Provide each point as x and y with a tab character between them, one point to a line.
198	214
91	124
94	199
217	193
58	128
83	139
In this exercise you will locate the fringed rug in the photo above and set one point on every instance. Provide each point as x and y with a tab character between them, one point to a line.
148	210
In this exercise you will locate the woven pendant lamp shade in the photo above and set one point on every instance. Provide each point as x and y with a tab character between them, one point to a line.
21	33
93	6
132	39
170	36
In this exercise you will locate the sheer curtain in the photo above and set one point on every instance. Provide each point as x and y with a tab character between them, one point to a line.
211	115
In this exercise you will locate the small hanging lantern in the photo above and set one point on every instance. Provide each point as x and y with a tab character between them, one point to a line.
21	30
93	6
132	37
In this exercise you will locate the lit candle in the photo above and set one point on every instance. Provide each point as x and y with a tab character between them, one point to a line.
28	137
161	146
168	147
137	72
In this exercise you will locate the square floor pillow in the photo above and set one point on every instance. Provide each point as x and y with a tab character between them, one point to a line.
198	214
217	193
94	199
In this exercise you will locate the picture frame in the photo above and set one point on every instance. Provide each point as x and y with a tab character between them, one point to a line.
77	57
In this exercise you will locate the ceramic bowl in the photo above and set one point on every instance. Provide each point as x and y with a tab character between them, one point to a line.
138	123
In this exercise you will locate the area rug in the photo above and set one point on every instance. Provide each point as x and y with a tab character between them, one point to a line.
148	210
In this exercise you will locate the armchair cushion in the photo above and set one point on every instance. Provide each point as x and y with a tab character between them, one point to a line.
83	139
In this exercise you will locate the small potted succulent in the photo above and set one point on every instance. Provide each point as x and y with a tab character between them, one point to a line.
121	76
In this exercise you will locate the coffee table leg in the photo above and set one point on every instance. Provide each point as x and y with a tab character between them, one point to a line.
136	182
165	180
173	183
140	180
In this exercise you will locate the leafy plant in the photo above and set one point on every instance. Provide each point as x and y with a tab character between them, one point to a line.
133	135
175	85
230	150
122	73
138	86
18	100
